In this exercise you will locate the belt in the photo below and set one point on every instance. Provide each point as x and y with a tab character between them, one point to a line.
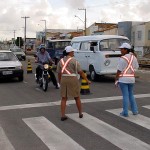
69	75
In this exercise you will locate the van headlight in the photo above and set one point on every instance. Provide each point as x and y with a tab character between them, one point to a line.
107	63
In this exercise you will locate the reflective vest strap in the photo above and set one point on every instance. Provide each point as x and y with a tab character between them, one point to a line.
130	64
125	74
64	66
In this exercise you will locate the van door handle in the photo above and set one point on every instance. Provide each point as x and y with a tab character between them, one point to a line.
85	56
88	56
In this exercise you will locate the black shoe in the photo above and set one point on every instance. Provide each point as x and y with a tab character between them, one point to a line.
81	116
57	87
64	118
37	80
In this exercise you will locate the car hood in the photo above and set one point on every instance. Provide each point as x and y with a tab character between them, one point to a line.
9	64
19	53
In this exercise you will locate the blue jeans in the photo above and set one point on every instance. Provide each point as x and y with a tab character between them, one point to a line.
127	93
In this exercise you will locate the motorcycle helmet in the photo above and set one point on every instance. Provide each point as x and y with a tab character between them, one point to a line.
42	46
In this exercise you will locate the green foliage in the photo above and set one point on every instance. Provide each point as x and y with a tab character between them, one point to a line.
19	39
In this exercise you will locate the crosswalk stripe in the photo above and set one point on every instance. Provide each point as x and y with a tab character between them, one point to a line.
57	103
113	135
137	119
148	106
53	137
4	141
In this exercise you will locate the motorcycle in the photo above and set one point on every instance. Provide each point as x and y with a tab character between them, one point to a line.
44	79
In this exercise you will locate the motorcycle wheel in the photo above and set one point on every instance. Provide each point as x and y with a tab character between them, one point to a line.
45	83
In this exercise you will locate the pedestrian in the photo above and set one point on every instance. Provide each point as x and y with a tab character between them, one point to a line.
125	78
67	70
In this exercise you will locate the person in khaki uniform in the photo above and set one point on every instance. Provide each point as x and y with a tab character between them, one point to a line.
67	70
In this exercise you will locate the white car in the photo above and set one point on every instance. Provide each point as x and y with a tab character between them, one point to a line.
18	52
10	66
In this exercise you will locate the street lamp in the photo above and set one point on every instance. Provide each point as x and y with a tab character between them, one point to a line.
45	31
85	18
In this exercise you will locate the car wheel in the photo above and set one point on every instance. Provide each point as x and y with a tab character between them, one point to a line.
20	78
93	74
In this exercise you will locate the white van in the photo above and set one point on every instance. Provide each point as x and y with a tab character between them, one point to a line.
98	54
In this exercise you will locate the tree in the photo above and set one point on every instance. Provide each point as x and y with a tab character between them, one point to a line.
19	41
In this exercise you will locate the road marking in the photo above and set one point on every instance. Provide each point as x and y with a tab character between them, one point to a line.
137	119
115	136
148	106
4	141
53	137
56	103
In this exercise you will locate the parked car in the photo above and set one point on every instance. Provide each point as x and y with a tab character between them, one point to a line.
10	66
18	52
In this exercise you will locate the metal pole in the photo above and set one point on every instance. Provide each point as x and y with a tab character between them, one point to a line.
84	19
45	31
25	33
14	37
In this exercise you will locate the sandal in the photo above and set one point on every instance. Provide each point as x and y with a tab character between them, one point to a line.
81	116
64	118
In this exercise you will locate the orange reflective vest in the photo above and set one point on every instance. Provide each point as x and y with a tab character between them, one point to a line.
64	65
129	71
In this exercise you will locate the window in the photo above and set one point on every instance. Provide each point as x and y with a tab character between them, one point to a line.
76	45
133	34
139	35
148	34
112	44
85	46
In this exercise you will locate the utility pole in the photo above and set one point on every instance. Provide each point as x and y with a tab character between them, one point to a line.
25	32
45	31
14	37
84	19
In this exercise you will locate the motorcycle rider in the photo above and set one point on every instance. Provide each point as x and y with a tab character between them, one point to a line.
41	57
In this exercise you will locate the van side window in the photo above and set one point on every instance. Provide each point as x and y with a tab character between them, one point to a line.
85	46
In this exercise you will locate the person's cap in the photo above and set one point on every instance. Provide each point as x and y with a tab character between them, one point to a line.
69	49
125	45
42	46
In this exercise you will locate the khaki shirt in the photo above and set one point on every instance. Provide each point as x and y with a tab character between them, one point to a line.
71	67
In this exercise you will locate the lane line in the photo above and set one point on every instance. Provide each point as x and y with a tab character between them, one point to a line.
70	102
148	106
53	137
115	136
4	141
137	119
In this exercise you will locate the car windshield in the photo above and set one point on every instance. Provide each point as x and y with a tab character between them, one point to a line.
5	56
16	50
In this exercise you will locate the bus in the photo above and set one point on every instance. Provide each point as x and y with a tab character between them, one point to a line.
56	47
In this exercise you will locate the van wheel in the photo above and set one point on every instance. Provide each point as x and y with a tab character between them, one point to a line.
93	74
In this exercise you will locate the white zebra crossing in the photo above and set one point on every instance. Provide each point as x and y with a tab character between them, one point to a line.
137	119
117	137
148	106
53	137
4	141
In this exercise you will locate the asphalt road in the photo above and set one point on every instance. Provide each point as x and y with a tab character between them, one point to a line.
30	117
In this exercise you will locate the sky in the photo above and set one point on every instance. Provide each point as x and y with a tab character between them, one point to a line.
60	14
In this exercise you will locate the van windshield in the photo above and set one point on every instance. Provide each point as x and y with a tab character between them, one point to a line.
112	44
58	44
